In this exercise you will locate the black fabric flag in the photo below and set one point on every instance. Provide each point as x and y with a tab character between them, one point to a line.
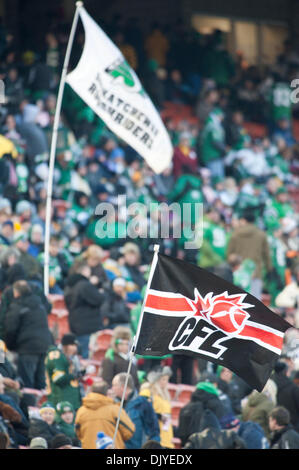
188	310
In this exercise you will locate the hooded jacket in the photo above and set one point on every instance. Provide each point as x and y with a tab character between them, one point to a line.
100	413
211	436
257	409
204	398
251	242
83	301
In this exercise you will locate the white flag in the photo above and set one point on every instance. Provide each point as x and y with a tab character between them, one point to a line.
106	82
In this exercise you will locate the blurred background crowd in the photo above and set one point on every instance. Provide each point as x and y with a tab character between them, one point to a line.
236	144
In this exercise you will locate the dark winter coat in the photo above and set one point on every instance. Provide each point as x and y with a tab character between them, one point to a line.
39	428
26	326
113	364
211	436
115	309
288	396
286	438
191	414
83	301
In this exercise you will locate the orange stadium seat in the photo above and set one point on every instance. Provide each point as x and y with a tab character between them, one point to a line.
176	407
177	443
173	390
185	393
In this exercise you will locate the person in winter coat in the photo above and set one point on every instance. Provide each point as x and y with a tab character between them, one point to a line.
114	310
63	372
287	393
117	356
259	405
45	425
99	413
139	409
211	436
156	389
83	301
94	256
27	333
65	419
205	397
248	241
283	434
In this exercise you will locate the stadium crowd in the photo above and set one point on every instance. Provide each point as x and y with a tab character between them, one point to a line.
233	129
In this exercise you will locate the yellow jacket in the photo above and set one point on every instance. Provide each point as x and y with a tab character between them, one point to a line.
162	408
100	413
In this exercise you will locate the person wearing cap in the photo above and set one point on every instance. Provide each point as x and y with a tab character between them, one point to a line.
114	309
61	373
38	443
65	419
103	441
61	441
155	388
44	426
30	264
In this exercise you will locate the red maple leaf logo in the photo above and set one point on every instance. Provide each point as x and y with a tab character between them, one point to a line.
224	311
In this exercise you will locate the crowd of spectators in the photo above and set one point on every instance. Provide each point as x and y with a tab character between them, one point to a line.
250	237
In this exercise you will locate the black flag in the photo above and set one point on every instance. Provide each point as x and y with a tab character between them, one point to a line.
188	310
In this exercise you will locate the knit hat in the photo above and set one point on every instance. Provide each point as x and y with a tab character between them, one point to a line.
23	206
103	441
46	407
154	375
60	440
68	339
38	443
207	387
63	407
229	421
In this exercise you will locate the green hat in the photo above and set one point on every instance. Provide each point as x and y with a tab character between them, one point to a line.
207	387
63	407
46	407
281	190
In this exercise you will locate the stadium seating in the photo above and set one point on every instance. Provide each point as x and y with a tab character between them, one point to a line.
177	443
100	344
58	318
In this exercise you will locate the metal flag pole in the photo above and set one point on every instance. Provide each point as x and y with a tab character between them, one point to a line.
53	147
133	348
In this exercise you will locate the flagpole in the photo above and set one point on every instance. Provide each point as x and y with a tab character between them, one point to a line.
132	351
79	5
